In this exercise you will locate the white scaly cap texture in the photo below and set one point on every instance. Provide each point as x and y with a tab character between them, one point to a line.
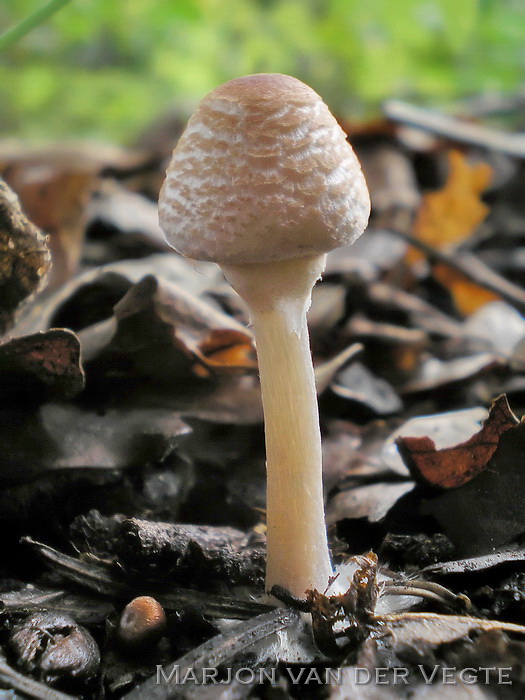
263	172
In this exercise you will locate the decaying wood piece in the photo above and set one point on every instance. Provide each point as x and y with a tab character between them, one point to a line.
455	129
24	257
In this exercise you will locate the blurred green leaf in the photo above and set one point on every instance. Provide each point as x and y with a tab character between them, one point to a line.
459	21
27	24
107	68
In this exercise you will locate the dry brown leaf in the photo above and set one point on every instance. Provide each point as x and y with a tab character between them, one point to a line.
54	192
453	466
426	632
156	314
487	512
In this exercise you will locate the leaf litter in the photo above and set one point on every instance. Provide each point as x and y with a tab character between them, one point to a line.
132	442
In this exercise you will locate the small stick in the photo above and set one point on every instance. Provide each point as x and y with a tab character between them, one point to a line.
473	269
427	590
455	129
11	36
216	651
28	686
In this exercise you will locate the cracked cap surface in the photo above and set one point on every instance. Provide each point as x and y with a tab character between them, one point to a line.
262	172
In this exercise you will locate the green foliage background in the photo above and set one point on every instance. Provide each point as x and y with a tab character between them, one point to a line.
105	68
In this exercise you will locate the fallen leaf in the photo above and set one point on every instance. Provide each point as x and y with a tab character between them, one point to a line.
371	502
368	258
91	296
157	317
433	373
116	209
325	372
448	217
225	348
419	312
327	309
357	384
426	632
499	324
440	656
63	436
475	564
453	466
394	351
54	192
468	296
454	651
420	550
445	429
390	176
341	446
28	597
488	511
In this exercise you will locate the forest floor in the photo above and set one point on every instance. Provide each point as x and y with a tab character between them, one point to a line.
133	448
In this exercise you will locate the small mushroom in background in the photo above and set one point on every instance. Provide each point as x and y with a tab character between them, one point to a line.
142	624
264	183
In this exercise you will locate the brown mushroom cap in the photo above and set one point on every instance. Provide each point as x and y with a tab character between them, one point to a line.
262	172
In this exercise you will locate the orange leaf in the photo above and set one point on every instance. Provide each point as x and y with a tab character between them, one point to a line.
450	215
454	466
468	296
227	349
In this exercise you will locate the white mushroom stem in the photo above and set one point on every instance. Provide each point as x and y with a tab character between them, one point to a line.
278	295
264	183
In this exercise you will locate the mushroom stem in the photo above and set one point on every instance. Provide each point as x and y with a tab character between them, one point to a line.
278	295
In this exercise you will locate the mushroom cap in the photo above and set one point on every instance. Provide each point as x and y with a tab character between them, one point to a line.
263	172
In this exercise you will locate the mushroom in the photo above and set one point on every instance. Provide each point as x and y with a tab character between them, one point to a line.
264	182
142	624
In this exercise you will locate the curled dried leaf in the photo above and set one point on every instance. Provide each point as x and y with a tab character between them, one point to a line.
453	466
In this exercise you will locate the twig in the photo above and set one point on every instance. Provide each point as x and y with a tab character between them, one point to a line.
219	650
489	103
33	602
475	564
326	372
473	269
429	317
28	686
455	129
84	574
102	581
427	590
11	36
